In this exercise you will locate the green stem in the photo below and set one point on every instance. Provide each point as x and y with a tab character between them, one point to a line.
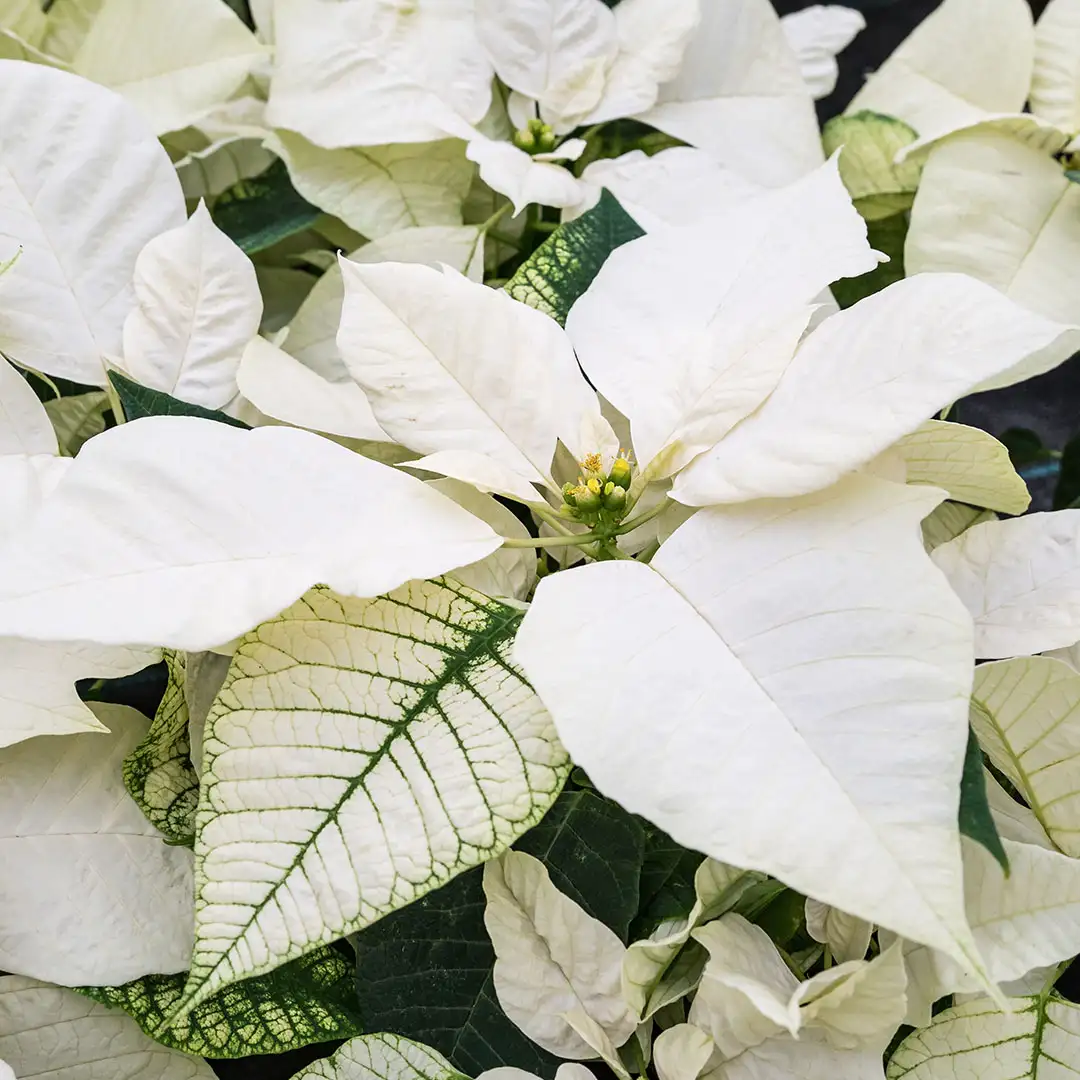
496	217
542	511
574	540
635	522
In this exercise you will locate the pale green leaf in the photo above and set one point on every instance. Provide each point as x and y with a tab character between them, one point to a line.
878	185
379	190
158	773
666	965
949	520
972	466
403	746
310	1000
48	1031
381	1057
78	165
1038	1040
78	418
1026	713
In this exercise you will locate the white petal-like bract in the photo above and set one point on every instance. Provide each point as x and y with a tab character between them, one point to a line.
1020	579
450	365
208	530
552	958
198	307
966	59
92	894
83	186
763	642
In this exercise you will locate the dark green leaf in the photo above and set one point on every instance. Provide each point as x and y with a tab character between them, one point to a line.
667	882
139	401
426	971
976	821
886	235
158	773
565	264
257	213
309	1000
1067	491
1025	447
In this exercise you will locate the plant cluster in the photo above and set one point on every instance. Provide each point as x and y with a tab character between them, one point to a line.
489	586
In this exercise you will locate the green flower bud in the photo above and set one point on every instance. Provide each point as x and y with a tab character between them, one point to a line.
545	141
621	472
614	498
524	140
569	494
588	498
536	125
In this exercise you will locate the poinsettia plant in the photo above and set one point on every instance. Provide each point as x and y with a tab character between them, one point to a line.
571	636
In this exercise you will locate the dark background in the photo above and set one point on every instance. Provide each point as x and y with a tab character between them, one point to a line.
1049	405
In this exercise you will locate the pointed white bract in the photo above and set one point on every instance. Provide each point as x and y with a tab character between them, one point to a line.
93	894
1019	231
50	1031
556	52
198	306
173	59
77	165
966	59
1055	82
687	330
453	368
1020	579
740	95
366	75
932	338
213	529
552	959
790	655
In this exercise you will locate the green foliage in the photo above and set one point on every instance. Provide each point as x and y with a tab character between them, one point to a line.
1067	492
426	971
976	821
565	264
138	401
257	213
158	773
309	1000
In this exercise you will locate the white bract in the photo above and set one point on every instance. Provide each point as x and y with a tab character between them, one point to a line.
70	830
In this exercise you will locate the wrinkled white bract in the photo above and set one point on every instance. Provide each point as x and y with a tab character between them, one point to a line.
817	34
774	659
92	895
